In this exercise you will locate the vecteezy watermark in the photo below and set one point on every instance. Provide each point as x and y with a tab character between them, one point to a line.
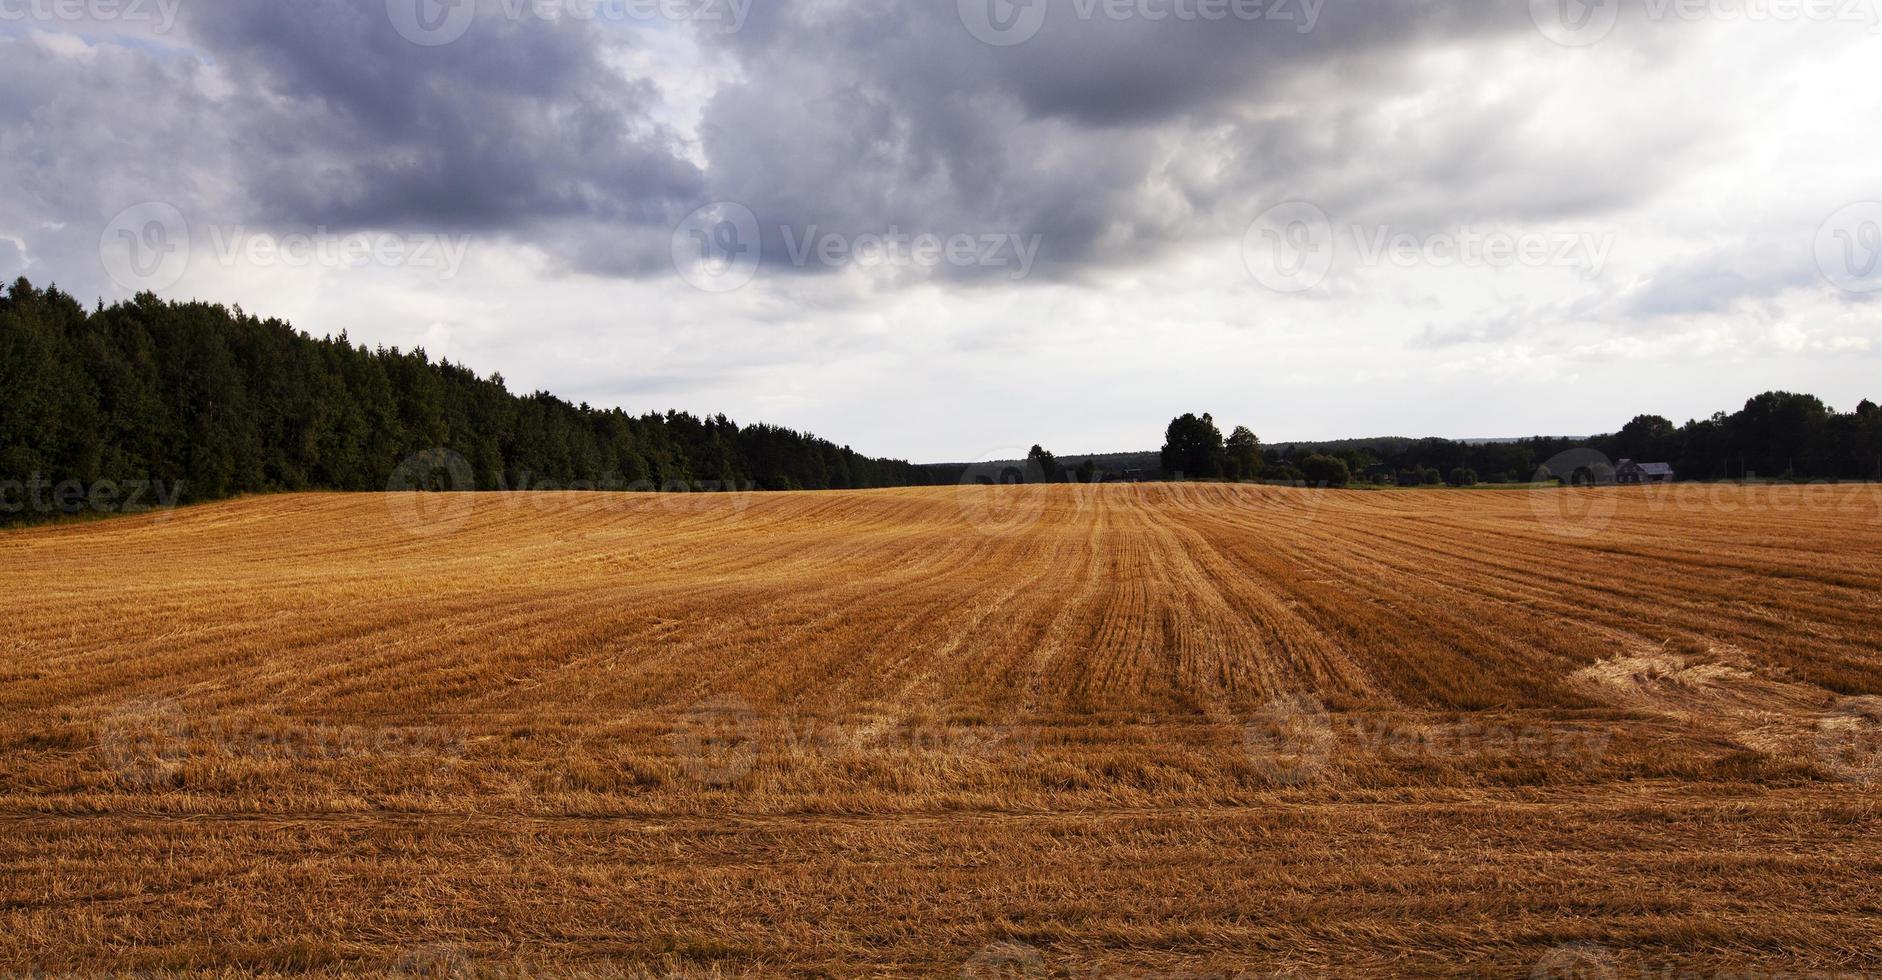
148	742
429	492
431	23
717	741
1849	740
436	492
1575	23
146	246
1592	961
322	248
1575	508
1576	961
898	249
160	14
1005	23
717	248
1291	247
721	741
149	246
1294	741
37	496
442	961
1290	740
145	742
1579	23
720	248
1849	248
998	495
1004	961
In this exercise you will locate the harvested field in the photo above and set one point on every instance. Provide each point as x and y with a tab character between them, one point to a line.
990	731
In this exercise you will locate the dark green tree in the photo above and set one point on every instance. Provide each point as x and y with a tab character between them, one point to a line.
1192	448
1042	466
1322	470
1244	454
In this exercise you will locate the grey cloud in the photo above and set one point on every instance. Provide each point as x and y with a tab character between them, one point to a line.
519	121
297	116
12	261
1722	278
1113	140
1110	140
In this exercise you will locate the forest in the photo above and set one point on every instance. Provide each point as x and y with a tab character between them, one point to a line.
172	402
1778	435
207	402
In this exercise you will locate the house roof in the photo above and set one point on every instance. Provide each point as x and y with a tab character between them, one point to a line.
1657	469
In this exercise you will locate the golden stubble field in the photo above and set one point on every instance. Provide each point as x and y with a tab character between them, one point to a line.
1129	731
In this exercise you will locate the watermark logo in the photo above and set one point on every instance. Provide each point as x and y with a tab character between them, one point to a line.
1000	493
1290	740
717	741
1289	247
37	496
717	248
326	249
1003	23
146	247
431	492
1004	961
1578	508
1576	961
719	500
442	961
1575	23
897	249
146	742
431	23
1579	23
720	248
1849	248
880	736
160	14
1849	740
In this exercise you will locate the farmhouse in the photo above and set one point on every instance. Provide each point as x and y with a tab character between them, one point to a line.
1631	472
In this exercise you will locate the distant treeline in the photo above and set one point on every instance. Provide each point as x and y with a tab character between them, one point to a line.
1777	435
180	402
210	402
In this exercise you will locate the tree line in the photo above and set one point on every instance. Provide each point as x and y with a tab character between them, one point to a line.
213	402
184	402
1777	435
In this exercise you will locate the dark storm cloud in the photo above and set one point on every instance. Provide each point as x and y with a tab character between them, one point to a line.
1105	138
1113	138
518	122
290	117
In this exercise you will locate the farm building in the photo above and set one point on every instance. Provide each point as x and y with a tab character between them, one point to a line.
1631	472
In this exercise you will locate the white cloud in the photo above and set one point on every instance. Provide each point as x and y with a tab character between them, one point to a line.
1708	154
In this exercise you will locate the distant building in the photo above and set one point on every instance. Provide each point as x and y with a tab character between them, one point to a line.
1631	472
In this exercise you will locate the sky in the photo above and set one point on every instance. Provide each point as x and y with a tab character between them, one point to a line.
944	230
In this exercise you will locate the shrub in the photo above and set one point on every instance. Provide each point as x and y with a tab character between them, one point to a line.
1326	471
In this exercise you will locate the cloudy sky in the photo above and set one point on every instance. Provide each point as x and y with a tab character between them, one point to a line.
941	230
